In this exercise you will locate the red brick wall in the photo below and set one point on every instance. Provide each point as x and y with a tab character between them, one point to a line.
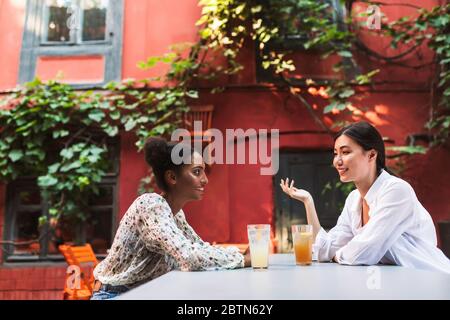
37	283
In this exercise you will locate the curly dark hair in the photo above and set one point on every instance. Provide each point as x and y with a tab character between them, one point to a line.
158	153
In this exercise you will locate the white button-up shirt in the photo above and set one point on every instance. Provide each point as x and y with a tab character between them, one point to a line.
400	230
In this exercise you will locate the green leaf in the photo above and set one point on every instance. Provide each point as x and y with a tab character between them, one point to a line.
53	168
60	133
130	124
83	182
347	93
446	123
73	165
96	150
93	158
27	126
169	57
192	94
256	9
202	20
47	181
160	95
35	152
408	149
96	115
3	145
150	63
266	38
161	129
308	44
266	64
42	220
111	131
85	106
115	115
66	153
205	33
240	8
15	155
345	54
334	105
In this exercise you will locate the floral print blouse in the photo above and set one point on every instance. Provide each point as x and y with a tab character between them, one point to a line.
152	241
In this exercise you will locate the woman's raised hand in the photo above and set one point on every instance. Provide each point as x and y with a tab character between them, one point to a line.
293	192
305	197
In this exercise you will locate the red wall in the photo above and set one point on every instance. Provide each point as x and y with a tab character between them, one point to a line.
32	283
12	19
151	26
76	69
237	194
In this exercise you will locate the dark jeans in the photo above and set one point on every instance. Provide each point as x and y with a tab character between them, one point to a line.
108	292
104	295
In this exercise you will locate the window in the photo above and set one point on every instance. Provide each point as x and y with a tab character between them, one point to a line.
71	29
295	32
25	206
296	28
74	21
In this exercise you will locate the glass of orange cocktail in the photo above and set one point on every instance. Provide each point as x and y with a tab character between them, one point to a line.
302	238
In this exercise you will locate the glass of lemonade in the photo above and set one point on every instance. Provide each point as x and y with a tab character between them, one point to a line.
302	238
259	238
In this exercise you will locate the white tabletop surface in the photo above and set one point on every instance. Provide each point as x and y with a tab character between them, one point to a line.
283	280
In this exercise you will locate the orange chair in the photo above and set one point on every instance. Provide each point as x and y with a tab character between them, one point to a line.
76	286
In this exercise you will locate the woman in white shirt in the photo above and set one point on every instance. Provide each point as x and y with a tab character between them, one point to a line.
154	237
382	220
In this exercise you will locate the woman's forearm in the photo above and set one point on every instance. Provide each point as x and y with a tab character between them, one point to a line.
311	216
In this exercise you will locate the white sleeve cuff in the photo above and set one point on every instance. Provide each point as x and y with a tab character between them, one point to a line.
340	258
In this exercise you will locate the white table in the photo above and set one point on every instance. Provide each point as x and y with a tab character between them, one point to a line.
286	281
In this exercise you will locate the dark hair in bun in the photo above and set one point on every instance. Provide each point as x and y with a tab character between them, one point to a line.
158	152
364	134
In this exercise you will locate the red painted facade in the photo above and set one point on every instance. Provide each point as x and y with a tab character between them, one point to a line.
237	195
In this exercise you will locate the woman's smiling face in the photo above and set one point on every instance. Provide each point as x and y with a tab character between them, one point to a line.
192	178
351	161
